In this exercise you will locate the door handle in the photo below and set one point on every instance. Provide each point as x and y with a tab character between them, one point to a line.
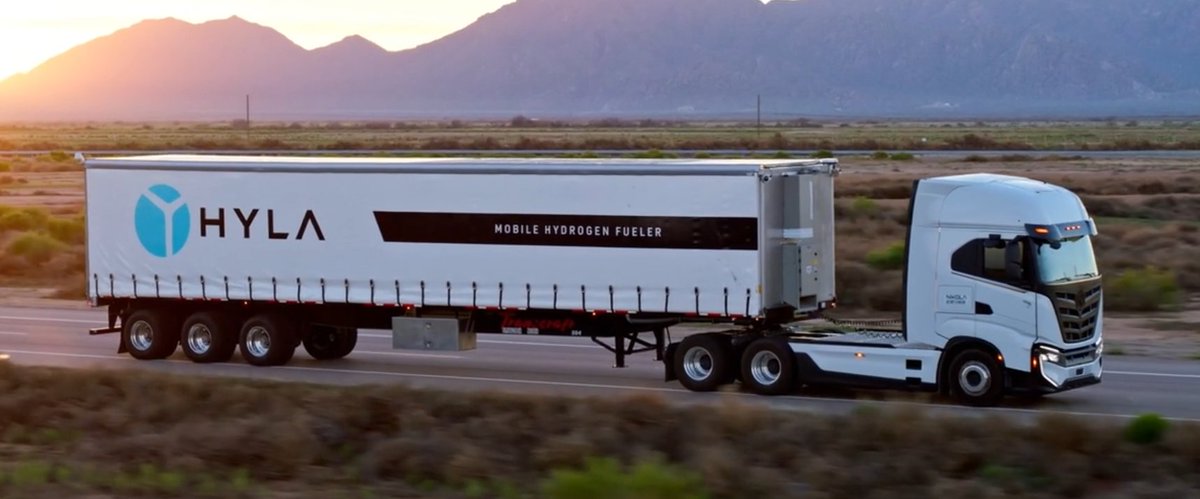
982	308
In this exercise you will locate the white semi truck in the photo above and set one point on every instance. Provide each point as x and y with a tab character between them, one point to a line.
212	254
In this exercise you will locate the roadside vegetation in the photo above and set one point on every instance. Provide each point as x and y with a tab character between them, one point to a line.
92	433
532	134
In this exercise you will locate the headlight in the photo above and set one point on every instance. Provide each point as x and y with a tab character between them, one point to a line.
1100	347
1049	355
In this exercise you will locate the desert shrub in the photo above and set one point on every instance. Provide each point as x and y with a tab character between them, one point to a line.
35	247
1146	429
889	258
863	207
603	478
1144	289
59	156
654	154
902	156
5	166
23	219
822	154
879	155
976	158
1012	158
69	231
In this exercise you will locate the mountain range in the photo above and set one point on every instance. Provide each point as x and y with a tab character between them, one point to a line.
879	58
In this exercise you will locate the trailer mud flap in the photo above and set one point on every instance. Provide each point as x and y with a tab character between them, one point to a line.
669	363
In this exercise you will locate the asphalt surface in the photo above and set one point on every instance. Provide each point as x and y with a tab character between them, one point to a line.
799	153
577	367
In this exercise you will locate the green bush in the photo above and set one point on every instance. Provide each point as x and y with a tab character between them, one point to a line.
903	156
604	479
822	154
59	156
69	231
879	155
654	154
889	258
1146	429
1145	289
863	207
35	247
23	219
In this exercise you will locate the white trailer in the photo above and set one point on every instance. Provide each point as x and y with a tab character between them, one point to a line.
262	254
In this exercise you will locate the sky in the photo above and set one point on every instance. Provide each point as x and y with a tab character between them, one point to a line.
32	31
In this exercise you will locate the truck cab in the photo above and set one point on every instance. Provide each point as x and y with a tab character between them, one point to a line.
1002	296
1005	264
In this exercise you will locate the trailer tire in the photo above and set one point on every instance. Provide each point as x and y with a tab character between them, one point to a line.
976	378
704	362
768	366
208	337
150	334
267	340
329	343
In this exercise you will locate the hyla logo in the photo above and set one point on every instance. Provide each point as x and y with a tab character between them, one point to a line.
162	221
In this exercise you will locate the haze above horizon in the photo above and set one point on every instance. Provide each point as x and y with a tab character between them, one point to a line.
33	32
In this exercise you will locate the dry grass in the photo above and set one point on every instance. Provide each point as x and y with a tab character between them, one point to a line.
173	434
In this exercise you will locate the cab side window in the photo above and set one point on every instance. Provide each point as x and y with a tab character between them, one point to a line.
986	259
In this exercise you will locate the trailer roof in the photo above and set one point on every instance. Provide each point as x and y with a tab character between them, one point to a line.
530	166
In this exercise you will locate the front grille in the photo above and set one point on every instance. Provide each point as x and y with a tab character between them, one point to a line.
1074	358
1078	310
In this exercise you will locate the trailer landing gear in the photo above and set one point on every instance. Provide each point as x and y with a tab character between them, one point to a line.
628	343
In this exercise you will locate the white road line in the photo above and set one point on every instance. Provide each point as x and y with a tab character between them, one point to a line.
408	354
538	344
68	355
1160	375
96	323
606	386
497	342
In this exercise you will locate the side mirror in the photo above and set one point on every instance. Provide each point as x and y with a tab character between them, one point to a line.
1013	270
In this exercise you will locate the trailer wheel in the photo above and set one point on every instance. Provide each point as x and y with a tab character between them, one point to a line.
976	378
328	343
704	362
150	334
769	366
208	337
267	340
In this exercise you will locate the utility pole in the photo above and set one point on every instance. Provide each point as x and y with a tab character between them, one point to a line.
758	119
247	119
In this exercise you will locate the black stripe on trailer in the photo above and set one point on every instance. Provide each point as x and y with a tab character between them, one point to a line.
602	231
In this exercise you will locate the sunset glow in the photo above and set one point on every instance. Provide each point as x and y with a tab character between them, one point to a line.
32	32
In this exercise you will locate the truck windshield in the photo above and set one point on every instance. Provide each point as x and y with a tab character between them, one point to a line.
1072	260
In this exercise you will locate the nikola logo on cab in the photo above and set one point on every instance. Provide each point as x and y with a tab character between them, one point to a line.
162	221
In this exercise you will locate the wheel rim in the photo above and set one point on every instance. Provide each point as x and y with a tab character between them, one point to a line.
258	341
324	340
199	338
698	363
974	378
766	368
141	336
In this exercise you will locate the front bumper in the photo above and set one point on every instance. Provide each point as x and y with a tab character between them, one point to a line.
1068	370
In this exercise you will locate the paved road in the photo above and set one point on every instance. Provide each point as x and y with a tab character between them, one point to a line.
574	366
799	153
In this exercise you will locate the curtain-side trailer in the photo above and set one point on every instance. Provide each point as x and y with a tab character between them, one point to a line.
212	254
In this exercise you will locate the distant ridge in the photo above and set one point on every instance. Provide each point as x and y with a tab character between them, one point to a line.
903	58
